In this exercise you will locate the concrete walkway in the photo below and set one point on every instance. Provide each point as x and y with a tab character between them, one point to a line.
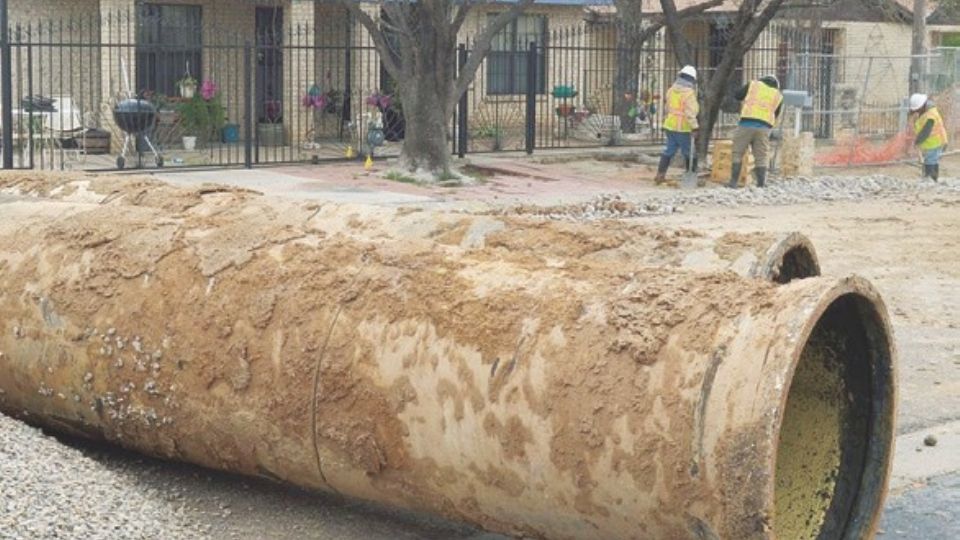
499	180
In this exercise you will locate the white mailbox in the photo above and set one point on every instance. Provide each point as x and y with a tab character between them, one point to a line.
799	100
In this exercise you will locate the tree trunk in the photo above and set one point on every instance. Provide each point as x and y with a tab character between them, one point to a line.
918	45
426	146
674	24
628	81
713	96
421	56
629	56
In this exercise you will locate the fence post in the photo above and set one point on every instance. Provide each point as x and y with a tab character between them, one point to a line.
532	73
462	107
247	105
6	86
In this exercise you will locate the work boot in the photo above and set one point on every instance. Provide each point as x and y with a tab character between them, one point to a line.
662	167
935	172
735	175
926	171
760	174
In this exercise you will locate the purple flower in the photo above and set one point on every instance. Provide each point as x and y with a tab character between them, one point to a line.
316	102
208	90
380	101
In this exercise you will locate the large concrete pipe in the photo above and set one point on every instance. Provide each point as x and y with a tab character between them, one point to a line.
583	400
777	257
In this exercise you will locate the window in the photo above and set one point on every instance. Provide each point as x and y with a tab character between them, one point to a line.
507	61
168	46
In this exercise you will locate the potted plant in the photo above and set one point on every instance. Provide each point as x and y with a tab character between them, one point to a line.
202	116
188	87
565	109
270	124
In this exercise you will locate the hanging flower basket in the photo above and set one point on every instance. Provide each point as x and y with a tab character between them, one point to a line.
565	110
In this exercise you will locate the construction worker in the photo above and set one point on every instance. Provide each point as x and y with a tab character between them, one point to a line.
931	134
680	122
762	103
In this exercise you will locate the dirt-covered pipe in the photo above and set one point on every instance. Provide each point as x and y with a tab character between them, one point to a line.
780	257
581	399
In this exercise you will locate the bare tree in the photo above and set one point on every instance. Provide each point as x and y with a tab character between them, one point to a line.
918	44
749	21
636	29
417	43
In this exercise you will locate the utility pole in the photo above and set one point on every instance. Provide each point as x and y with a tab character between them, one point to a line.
918	47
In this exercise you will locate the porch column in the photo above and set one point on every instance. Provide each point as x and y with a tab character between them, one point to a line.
300	69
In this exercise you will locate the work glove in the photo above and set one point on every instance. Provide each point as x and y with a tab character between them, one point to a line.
775	135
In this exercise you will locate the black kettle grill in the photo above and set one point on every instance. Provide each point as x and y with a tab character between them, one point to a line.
136	118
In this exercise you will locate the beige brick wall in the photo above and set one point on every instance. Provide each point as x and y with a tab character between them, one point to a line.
70	72
889	80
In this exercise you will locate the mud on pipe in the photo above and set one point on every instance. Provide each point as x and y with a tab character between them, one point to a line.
576	400
780	257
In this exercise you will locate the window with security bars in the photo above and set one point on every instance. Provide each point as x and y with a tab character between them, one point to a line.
507	60
168	46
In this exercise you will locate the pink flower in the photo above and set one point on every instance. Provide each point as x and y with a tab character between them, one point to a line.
379	101
208	90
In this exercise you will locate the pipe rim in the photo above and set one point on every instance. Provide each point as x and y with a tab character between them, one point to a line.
863	519
779	253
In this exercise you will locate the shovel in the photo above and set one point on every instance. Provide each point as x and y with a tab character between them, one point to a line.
689	180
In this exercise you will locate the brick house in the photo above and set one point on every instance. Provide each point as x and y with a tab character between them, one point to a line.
114	47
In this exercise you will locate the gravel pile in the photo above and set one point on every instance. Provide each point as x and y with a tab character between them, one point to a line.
794	191
50	490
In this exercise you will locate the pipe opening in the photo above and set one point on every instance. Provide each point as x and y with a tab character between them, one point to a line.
836	431
798	262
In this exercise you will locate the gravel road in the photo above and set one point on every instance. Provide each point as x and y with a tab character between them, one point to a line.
777	193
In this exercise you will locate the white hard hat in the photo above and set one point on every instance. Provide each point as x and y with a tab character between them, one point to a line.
917	101
689	71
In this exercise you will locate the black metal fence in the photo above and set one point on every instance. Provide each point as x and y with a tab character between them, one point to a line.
275	89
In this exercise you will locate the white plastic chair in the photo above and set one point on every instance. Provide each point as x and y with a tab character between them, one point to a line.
68	123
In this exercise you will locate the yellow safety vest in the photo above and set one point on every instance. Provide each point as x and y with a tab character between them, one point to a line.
938	137
761	103
679	100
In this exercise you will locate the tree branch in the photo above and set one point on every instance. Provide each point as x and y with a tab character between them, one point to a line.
631	12
461	16
659	21
482	43
379	39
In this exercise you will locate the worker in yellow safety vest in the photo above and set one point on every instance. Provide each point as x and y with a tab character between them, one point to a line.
762	103
680	122
931	134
